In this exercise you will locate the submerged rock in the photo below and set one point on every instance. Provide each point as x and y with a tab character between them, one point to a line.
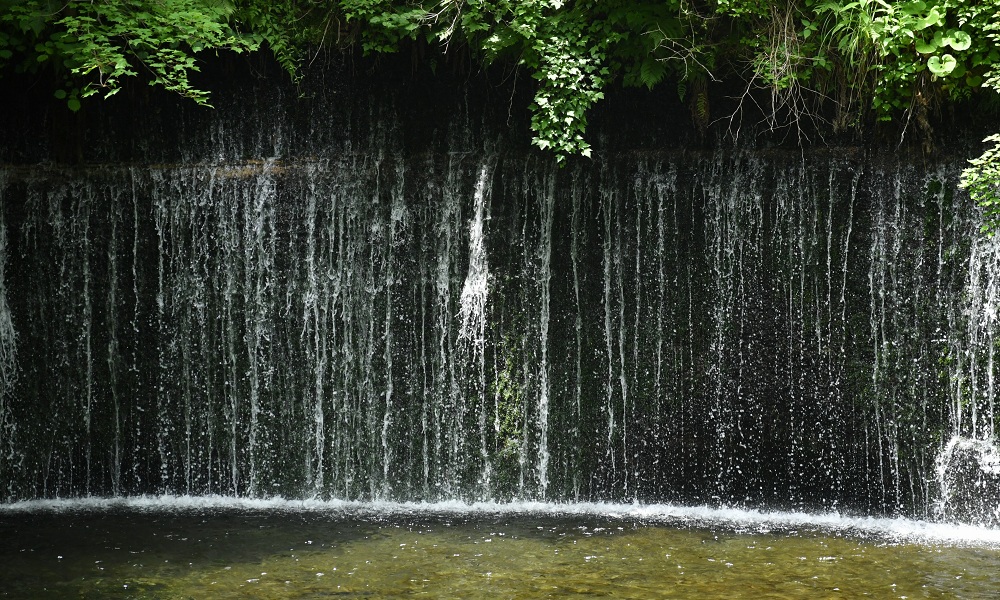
969	475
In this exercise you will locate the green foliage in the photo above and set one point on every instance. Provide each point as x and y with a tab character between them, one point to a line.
534	33
982	181
288	27
386	23
571	74
99	43
508	422
982	177
885	58
507	390
899	46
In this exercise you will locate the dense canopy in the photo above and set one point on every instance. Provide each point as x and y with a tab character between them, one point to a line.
827	64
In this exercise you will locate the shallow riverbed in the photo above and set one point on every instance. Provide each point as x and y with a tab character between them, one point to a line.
221	548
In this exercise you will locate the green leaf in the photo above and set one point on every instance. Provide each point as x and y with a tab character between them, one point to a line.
914	8
958	39
651	72
934	17
941	65
60	94
73	104
926	47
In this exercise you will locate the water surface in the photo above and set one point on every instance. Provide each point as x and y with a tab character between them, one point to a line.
218	548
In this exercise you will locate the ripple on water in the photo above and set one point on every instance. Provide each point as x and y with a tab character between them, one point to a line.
223	547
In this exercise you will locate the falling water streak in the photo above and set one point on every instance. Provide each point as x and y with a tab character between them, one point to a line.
983	291
8	355
161	217
847	252
749	264
230	354
990	315
473	315
877	291
215	396
425	347
845	261
256	283
446	411
714	231
608	208
659	219
528	362
631	485
793	242
722	231
134	367
829	305
397	222
547	213
826	325
337	237
113	357
575	230
312	335
426	393
82	220
686	403
475	291
806	228
661	307
901	216
975	340
912	380
369	402
189	368
621	325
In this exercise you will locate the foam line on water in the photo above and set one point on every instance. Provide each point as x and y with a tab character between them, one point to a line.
896	530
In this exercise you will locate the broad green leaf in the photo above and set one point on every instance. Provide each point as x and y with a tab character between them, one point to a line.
934	17
941	65
958	39
926	47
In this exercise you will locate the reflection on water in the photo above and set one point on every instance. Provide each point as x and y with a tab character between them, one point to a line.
120	551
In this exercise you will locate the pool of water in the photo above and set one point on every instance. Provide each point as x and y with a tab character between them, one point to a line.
222	548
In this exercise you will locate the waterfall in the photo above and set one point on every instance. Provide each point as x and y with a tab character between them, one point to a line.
974	399
726	327
968	464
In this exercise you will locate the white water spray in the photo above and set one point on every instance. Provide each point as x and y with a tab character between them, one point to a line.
475	291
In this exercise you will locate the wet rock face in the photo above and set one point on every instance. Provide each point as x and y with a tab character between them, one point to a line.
969	474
